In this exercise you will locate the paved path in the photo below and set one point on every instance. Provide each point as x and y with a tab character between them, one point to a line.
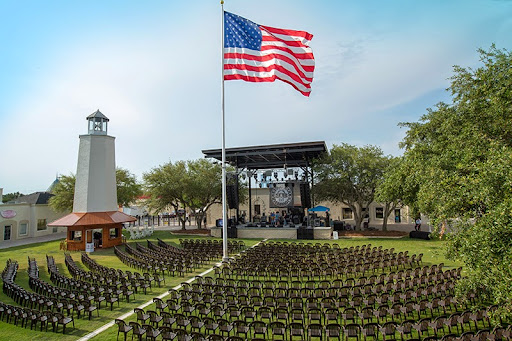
62	235
33	240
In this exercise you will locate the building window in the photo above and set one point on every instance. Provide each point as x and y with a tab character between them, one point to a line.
398	217
41	224
347	213
76	236
23	229
114	233
379	212
257	209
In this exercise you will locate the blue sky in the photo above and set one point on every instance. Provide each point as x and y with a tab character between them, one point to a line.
153	68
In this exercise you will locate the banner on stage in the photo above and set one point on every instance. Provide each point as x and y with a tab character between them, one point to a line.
281	197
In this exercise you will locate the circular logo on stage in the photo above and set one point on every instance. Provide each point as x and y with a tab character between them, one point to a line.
282	197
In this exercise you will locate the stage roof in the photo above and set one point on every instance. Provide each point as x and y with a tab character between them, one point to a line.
271	156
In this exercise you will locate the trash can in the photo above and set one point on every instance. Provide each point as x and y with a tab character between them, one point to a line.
338	225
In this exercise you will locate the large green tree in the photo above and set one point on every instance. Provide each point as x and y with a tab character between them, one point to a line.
63	193
127	190
204	187
349	175
460	157
193	185
395	189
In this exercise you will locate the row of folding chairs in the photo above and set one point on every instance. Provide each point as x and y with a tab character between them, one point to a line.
25	316
440	327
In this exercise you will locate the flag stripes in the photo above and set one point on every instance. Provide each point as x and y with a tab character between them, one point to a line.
256	53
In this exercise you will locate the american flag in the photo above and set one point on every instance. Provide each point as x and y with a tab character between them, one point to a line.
257	53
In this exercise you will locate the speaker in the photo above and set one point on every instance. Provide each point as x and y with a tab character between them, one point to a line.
232	196
305	195
419	235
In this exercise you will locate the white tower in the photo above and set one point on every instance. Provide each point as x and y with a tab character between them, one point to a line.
95	188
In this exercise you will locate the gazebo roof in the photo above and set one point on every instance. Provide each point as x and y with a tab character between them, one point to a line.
271	156
93	218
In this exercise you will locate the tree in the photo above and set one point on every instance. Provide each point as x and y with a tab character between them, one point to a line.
64	191
204	187
11	196
349	175
390	189
194	185
397	188
165	186
459	155
127	187
127	190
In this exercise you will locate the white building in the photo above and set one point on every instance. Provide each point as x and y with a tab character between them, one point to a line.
27	217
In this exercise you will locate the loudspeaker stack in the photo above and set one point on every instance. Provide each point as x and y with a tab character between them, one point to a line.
305	195
232	196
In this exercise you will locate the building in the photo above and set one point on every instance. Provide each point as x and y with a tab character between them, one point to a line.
27	217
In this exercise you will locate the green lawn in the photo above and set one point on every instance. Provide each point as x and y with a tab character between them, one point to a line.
432	254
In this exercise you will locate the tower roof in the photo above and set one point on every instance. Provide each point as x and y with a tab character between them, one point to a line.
98	114
53	185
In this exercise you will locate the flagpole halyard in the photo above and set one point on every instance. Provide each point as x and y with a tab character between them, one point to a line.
224	213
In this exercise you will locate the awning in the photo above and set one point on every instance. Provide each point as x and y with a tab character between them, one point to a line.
319	209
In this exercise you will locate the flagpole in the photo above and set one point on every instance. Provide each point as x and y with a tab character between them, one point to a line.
224	213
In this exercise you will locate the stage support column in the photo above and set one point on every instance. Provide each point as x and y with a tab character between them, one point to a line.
249	175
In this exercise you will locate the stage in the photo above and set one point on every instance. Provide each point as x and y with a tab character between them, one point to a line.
244	231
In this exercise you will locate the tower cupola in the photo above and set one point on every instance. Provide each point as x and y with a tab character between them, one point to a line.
97	123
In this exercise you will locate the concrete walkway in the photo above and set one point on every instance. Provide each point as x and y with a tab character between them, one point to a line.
62	235
33	240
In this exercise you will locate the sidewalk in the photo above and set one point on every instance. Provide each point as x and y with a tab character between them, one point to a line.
33	240
62	235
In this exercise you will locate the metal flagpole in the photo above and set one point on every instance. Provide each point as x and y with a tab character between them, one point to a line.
224	213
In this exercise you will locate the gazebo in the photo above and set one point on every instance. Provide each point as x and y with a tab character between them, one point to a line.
81	228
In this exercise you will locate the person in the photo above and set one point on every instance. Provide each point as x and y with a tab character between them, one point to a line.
417	227
204	221
327	219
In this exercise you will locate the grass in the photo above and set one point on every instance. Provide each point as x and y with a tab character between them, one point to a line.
432	254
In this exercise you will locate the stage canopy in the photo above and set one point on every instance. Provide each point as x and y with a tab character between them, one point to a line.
271	156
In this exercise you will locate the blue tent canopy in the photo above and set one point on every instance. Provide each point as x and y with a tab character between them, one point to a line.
319	209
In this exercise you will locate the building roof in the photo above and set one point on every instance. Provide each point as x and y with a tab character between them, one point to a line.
271	156
93	218
98	114
39	198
